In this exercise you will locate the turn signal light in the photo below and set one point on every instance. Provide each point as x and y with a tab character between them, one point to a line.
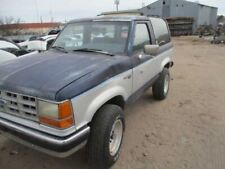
65	110
61	124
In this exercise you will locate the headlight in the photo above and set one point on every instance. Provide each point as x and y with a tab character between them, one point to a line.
56	115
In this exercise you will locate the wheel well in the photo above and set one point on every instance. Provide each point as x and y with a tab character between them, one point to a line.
168	65
118	100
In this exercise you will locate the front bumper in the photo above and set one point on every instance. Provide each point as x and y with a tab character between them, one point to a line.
56	146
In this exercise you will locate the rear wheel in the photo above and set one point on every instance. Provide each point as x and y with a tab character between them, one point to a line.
106	137
160	89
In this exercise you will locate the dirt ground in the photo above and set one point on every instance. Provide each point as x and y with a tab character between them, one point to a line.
186	131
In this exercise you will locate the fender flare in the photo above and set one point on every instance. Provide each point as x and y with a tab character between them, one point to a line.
103	98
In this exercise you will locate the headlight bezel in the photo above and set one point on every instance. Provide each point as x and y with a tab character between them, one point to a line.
59	115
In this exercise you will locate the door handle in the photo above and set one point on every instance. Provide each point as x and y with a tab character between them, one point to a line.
128	77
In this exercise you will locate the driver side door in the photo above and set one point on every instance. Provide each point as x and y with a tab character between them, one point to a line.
143	64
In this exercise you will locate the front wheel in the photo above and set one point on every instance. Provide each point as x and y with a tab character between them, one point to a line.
106	137
160	88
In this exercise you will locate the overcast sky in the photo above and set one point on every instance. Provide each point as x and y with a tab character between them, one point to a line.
65	10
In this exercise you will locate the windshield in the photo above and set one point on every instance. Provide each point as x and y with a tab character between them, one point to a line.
103	36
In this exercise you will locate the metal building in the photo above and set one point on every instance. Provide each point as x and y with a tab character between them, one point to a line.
201	14
184	17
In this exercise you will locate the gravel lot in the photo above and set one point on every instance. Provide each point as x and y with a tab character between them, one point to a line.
186	131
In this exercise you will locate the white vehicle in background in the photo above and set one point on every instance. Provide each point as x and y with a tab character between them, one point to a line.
39	44
10	50
5	56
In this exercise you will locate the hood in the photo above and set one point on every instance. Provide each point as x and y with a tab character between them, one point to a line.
46	75
5	56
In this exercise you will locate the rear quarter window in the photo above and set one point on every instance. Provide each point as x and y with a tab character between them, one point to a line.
161	31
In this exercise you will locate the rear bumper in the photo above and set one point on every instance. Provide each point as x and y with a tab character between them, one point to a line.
56	146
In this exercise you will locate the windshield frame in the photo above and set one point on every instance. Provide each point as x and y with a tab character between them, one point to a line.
125	53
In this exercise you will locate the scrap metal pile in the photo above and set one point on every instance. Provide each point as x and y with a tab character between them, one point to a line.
219	35
180	25
205	30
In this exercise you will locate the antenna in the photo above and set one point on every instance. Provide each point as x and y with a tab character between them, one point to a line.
117	2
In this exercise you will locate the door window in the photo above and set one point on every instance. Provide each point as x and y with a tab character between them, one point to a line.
141	37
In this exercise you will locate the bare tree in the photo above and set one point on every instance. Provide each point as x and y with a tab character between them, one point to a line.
5	22
221	19
1	21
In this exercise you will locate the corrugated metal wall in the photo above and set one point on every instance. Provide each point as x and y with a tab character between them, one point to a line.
180	8
207	16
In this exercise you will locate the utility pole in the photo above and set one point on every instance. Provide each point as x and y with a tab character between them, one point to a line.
37	10
117	2
51	16
143	4
50	11
41	19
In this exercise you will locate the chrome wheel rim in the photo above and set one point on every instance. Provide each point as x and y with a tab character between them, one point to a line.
166	84
116	137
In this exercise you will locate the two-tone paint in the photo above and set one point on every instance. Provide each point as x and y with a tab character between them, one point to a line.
88	80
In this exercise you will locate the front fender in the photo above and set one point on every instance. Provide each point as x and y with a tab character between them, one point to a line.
87	104
102	98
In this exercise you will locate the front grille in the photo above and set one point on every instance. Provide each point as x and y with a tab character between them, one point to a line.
18	105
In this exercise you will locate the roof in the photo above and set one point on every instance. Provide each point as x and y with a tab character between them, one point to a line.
201	4
207	5
112	18
30	25
137	11
121	12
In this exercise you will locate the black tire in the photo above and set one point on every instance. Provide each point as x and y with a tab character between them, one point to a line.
159	85
99	156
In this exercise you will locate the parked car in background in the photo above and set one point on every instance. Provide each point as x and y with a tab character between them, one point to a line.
75	93
5	56
54	32
10	50
39	43
24	44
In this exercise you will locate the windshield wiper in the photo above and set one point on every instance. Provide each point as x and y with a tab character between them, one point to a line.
60	48
94	50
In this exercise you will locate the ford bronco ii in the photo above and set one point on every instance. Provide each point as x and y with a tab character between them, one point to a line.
74	94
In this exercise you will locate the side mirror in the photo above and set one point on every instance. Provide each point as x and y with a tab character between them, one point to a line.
151	49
